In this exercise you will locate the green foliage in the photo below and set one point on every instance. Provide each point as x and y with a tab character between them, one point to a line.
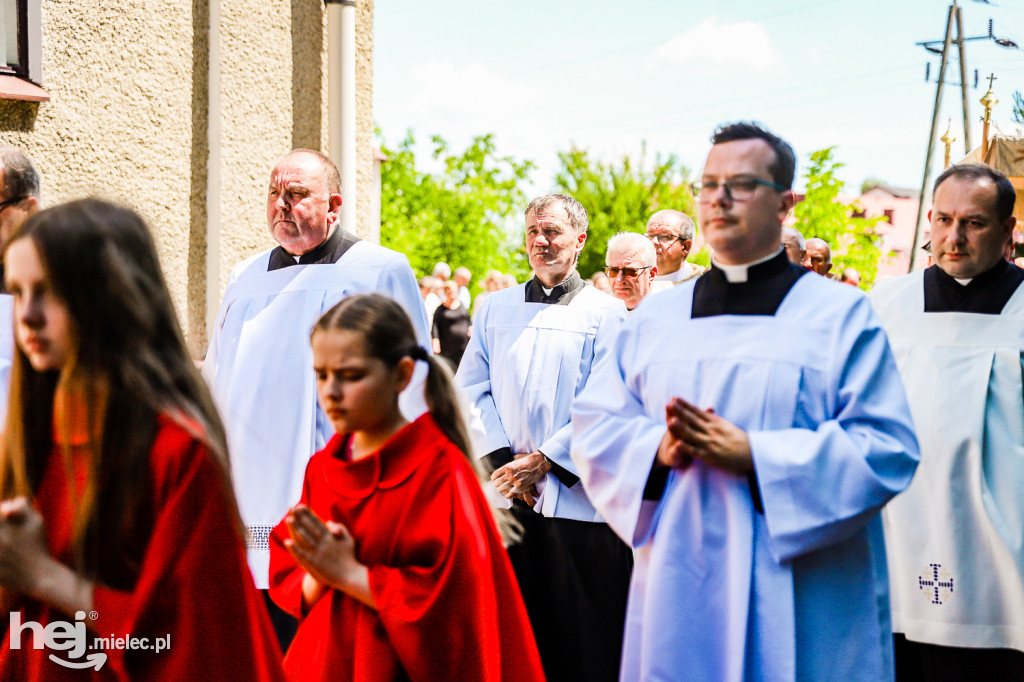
854	241
620	197
1018	107
465	214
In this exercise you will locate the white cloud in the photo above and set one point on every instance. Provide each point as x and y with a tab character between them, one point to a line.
721	48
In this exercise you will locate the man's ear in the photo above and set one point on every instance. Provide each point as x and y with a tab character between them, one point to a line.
687	243
333	208
786	202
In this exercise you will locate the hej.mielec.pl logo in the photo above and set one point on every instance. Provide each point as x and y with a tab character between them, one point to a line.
73	638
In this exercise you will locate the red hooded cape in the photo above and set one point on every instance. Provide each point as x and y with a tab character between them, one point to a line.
448	605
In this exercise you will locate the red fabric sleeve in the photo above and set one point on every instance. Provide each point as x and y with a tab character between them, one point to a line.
194	586
459	615
286	575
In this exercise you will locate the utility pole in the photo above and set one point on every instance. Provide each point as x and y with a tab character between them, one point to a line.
935	130
955	15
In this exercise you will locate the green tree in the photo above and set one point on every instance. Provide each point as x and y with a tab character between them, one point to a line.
854	241
1018	107
620	197
463	214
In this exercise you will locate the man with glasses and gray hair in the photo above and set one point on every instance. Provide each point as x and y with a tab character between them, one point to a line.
672	234
631	265
531	352
742	435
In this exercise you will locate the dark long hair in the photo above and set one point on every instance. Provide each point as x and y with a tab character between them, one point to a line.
389	337
128	365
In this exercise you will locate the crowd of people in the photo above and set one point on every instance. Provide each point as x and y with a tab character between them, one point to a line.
748	471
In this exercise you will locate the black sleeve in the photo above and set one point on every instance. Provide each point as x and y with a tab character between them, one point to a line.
495	460
564	476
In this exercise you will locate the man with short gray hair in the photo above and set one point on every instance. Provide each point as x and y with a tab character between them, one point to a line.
672	234
19	198
793	242
631	265
19	193
531	352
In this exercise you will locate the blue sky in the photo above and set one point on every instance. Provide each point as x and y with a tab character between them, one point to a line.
608	76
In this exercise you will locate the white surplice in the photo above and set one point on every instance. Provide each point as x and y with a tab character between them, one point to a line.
721	592
524	365
956	536
260	368
6	350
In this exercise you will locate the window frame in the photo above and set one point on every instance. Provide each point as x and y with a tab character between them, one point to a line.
22	70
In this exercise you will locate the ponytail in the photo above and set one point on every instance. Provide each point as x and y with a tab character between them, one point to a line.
443	404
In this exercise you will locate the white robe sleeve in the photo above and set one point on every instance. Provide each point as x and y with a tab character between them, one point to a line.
557	448
474	376
614	442
820	486
398	281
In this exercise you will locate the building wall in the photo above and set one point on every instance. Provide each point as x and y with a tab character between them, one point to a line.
129	119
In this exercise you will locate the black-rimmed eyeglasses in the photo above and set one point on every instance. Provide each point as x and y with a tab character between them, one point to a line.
8	202
629	273
737	189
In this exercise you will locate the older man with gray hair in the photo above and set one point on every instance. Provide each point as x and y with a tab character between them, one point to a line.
793	242
19	193
531	353
672	234
19	198
631	265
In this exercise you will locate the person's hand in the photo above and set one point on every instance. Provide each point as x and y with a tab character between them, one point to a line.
326	551
701	434
519	477
24	555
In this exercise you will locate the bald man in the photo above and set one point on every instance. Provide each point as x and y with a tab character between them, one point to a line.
817	256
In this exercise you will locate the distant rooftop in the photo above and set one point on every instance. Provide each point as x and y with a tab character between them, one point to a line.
899	192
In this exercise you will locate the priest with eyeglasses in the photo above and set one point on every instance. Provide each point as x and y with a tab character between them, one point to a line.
742	436
672	233
631	265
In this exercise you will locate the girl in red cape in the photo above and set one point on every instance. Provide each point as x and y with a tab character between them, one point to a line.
392	560
121	549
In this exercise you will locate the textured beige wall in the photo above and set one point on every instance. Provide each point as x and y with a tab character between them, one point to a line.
120	121
129	118
366	226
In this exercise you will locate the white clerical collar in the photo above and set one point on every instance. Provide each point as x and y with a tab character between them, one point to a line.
682	273
547	290
737	274
963	282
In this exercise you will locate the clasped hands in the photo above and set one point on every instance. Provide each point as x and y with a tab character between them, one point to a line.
24	554
327	552
519	477
701	434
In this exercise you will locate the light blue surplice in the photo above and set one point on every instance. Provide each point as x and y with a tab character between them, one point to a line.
720	591
524	365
